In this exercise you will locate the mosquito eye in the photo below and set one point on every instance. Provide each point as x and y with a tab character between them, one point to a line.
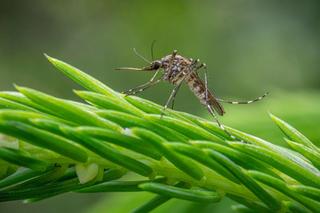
156	65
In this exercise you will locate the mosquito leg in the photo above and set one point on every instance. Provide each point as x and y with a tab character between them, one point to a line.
210	109
206	83
231	102
203	65
221	126
171	98
172	102
144	86
155	75
196	67
194	64
244	102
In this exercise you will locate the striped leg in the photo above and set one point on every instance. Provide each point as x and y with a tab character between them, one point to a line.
244	102
172	97
144	86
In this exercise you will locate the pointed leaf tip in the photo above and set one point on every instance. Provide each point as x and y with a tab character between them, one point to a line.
50	59
19	88
291	132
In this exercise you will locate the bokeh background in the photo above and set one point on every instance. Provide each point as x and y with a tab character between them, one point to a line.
249	46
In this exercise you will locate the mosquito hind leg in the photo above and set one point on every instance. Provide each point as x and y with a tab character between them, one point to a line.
244	102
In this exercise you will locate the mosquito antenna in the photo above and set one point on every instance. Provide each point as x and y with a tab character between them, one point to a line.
152	47
143	58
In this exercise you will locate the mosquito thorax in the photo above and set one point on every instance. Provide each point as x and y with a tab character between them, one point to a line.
177	62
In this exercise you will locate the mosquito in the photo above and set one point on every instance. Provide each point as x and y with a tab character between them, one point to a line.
176	70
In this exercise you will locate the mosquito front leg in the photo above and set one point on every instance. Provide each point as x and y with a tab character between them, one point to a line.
171	98
144	86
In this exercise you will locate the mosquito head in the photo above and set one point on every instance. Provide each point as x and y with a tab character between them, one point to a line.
155	65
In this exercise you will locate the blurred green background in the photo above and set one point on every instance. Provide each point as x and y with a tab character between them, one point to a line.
249	46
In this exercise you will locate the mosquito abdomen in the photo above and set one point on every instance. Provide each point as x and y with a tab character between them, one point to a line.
198	87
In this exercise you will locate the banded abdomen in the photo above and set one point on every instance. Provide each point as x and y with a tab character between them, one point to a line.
198	87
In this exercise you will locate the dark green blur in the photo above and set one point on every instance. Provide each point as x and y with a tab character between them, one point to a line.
249	47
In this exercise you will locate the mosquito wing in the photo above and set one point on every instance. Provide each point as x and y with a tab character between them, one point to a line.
198	87
212	101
